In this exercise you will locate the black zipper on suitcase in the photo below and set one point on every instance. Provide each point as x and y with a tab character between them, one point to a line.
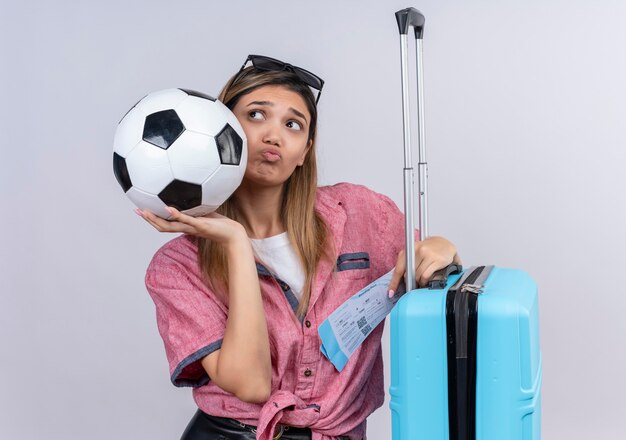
461	326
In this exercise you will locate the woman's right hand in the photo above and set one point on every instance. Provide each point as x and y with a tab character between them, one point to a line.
213	226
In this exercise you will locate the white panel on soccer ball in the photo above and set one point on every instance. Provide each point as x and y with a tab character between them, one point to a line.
221	185
161	100
201	115
193	157
147	201
129	132
149	168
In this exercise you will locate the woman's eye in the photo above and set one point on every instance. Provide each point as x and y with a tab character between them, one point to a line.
255	115
295	125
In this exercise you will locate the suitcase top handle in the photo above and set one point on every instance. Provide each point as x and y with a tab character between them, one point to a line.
410	17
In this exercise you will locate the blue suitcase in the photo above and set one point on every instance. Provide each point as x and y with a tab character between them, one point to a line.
465	359
466	365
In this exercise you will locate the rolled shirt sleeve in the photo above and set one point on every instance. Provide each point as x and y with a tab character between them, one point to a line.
190	318
391	234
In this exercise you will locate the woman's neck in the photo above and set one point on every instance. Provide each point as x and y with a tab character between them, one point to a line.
259	210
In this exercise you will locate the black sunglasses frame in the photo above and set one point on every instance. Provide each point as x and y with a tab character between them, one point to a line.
308	78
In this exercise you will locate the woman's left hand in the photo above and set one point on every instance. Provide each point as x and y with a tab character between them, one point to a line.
431	254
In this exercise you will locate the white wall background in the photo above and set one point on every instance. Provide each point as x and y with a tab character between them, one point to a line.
525	102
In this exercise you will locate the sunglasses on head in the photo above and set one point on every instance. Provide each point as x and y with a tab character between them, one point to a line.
261	62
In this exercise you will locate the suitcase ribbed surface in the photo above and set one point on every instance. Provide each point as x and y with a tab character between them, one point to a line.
508	381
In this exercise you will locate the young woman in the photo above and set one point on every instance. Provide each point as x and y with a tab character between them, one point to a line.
240	295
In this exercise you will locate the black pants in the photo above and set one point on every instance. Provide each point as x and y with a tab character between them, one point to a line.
206	427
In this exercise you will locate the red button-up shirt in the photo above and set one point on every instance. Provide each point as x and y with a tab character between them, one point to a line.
307	390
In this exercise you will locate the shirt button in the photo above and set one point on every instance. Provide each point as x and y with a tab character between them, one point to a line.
308	324
307	372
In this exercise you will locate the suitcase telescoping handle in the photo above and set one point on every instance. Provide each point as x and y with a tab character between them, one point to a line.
407	18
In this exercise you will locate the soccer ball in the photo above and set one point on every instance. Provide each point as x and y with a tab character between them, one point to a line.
179	148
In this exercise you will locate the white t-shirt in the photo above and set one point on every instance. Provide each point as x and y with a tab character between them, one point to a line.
279	257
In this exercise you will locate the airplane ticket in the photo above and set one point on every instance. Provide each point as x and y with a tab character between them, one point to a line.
348	326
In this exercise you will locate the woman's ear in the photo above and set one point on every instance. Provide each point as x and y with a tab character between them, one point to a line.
306	151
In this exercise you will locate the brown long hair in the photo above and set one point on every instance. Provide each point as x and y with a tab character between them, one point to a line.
307	231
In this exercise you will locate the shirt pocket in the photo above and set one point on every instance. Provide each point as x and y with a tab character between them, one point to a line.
353	265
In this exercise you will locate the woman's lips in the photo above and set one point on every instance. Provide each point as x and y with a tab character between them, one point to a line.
271	156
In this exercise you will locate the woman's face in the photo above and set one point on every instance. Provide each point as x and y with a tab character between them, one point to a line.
276	122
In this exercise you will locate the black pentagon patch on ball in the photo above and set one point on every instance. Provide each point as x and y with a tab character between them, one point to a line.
198	94
121	172
181	195
229	145
162	128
